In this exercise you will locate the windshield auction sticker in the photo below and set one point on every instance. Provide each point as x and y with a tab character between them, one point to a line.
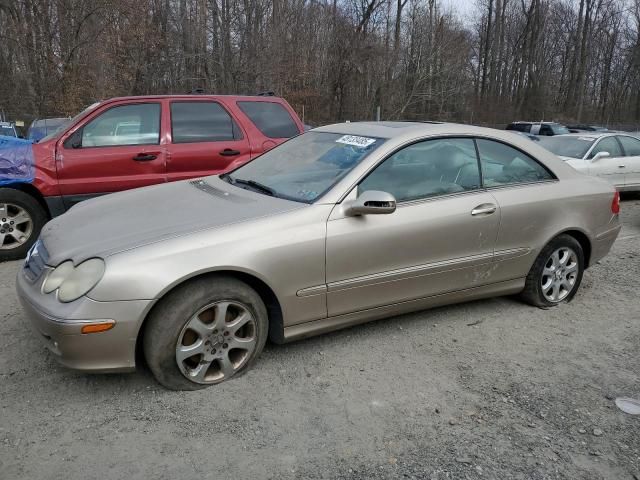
361	142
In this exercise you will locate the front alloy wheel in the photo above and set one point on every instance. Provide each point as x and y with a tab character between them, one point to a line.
21	219
204	332
16	226
216	342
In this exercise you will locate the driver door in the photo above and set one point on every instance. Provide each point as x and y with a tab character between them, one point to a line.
611	168
440	238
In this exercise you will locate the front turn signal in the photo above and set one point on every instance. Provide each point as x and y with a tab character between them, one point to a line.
98	327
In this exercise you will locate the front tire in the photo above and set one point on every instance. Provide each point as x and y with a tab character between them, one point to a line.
205	332
21	219
556	274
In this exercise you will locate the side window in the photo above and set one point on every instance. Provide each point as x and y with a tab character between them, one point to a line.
546	130
193	122
137	124
272	119
504	165
427	169
607	144
630	145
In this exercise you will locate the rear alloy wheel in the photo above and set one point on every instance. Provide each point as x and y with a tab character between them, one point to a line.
205	332
556	274
559	274
21	219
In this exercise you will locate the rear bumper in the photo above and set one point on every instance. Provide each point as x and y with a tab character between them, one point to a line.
60	329
603	243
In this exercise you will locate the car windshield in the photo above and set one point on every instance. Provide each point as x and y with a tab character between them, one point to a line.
574	147
7	130
305	167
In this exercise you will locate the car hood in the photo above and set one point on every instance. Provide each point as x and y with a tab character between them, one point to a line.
121	221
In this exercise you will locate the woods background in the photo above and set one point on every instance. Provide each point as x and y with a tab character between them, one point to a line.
570	60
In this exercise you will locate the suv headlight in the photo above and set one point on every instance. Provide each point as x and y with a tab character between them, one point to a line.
74	282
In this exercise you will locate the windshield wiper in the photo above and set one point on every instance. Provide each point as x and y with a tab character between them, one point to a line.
256	185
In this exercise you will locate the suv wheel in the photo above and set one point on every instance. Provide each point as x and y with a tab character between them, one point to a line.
21	219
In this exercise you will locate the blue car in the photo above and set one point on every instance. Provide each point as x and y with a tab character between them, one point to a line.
8	130
45	126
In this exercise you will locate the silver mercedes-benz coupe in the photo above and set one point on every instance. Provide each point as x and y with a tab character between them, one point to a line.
341	225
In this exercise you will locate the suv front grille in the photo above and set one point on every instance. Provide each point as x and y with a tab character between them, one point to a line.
36	262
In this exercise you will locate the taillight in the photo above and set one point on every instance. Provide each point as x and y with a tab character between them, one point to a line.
615	204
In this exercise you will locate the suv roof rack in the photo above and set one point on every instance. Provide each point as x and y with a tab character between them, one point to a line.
268	93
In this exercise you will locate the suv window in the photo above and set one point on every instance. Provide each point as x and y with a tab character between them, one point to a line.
193	122
427	169
272	119
519	127
137	124
546	130
504	165
630	145
607	144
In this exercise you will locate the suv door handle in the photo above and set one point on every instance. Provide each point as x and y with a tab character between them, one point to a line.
484	209
145	157
227	152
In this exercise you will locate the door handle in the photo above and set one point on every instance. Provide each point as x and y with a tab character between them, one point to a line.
227	152
145	157
622	166
484	209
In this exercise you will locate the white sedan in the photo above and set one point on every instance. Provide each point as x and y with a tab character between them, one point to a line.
614	157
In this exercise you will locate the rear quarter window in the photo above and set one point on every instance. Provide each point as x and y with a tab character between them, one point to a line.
272	119
504	165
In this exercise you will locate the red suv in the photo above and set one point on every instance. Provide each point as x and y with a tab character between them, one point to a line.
132	142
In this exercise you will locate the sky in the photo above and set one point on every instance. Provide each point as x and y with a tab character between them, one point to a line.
463	8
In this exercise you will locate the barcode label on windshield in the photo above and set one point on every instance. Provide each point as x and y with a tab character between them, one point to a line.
356	141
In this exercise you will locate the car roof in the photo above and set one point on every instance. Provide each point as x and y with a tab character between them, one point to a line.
403	129
591	135
534	123
42	121
186	96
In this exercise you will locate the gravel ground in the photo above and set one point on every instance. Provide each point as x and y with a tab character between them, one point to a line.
489	389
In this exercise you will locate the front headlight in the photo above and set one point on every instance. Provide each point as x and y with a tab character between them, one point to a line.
74	282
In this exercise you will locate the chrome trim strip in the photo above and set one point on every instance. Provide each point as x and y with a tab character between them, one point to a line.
408	272
510	254
316	327
315	290
608	233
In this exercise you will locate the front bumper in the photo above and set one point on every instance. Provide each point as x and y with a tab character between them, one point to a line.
59	325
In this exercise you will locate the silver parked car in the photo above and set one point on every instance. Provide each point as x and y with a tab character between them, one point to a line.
614	157
341	225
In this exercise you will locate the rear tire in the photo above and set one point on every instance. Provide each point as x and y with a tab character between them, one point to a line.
556	274
205	332
28	218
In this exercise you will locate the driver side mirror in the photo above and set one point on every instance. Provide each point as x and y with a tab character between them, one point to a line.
600	156
371	202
